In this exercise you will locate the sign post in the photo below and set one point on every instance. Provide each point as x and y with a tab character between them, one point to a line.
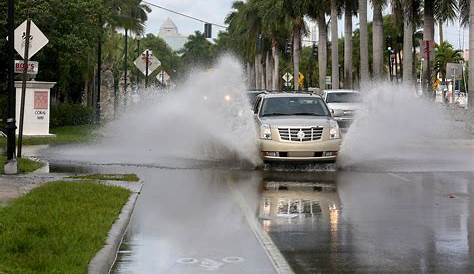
29	41
23	86
147	64
163	77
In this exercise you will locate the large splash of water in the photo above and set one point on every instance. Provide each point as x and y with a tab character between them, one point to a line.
207	118
396	130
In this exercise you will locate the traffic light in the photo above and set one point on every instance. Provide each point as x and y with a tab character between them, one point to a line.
315	50
207	30
289	47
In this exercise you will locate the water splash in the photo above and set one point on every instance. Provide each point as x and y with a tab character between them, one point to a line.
396	130
207	119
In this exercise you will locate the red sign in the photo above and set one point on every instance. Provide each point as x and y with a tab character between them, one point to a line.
32	67
41	100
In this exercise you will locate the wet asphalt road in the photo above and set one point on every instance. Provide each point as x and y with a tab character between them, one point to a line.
196	220
189	221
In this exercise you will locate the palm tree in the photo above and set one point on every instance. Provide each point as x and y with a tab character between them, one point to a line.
349	8
411	8
377	39
296	10
364	43
446	11
317	11
245	24
467	19
334	45
131	16
274	23
238	32
428	35
445	54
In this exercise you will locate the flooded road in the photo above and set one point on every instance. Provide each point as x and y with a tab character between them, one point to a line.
211	219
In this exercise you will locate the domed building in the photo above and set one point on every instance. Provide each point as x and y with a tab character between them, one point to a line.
169	33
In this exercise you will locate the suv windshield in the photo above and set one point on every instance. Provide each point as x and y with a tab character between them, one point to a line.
294	106
343	97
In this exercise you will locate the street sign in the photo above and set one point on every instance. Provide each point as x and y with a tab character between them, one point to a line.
153	62
32	67
163	77
328	80
37	39
287	77
454	71
300	79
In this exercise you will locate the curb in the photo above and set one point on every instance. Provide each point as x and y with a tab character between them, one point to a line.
104	260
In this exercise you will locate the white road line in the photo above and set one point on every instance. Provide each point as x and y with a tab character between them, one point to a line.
273	253
400	177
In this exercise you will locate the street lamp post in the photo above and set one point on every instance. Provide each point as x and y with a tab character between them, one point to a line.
11	123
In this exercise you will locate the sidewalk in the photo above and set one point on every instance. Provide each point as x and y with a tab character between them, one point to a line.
12	187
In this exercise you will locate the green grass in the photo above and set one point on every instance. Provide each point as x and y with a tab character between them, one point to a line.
64	135
58	227
25	165
109	177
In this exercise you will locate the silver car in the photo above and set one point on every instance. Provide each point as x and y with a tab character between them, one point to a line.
343	104
296	127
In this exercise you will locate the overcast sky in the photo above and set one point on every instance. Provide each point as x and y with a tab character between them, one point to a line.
215	11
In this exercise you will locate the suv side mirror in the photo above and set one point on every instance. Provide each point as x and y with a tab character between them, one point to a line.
337	112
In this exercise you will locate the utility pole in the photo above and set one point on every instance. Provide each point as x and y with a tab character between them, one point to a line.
11	123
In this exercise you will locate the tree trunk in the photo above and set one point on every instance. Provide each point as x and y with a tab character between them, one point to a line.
276	65
258	72
334	47
348	48
322	51
441	35
364	43
471	50
377	42
252	73
407	52
296	56
428	35
268	71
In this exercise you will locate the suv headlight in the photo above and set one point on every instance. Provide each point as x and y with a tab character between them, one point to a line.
334	132
265	132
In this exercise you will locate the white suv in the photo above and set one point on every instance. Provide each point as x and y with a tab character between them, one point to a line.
343	104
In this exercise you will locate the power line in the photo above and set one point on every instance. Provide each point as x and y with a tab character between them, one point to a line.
182	14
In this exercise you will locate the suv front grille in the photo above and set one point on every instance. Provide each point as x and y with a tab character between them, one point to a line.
301	134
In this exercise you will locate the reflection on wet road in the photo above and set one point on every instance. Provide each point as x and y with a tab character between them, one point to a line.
372	223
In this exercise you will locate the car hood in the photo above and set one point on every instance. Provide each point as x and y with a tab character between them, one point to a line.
297	121
345	106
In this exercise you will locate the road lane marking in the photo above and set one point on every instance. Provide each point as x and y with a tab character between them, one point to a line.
400	177
278	261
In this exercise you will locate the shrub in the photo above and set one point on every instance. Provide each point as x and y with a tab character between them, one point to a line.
71	115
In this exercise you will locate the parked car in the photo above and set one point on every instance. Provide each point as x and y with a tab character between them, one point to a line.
343	104
296	127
